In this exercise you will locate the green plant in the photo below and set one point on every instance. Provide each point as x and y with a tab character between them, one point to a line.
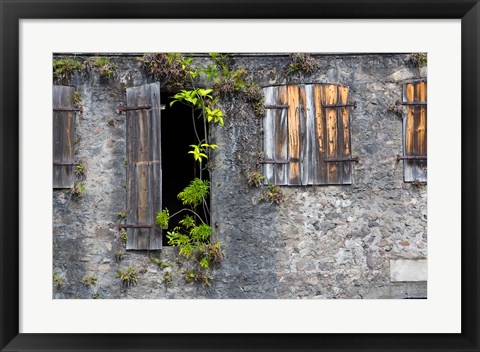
162	219
172	68
128	276
122	215
80	170
200	151
123	238
255	178
227	80
63	68
195	192
77	100
102	64
418	59
302	63
58	281
254	96
89	280
78	189
119	255
272	194
167	278
161	263
111	122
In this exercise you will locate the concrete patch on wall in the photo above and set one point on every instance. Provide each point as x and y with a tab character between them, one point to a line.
408	270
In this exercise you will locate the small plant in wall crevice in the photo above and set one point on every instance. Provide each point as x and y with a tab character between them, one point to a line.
89	280
128	277
302	63
272	194
78	189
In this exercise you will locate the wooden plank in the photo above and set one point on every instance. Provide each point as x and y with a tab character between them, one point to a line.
281	137
305	148
293	135
408	132
310	134
156	154
143	170
63	137
421	132
269	134
132	141
143	176
320	171
344	147
330	93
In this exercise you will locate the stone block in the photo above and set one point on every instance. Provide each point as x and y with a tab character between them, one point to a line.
408	270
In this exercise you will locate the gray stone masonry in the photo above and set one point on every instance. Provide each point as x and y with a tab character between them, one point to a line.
321	242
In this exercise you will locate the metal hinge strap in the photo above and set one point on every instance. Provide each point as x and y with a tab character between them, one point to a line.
68	109
136	226
420	103
329	160
411	157
147	162
64	163
139	107
276	106
352	104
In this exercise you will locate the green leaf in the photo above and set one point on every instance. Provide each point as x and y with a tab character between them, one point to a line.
194	193
162	219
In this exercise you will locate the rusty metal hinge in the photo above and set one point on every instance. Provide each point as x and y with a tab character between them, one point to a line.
352	104
69	109
276	106
139	107
411	157
331	160
63	163
147	162
420	103
271	161
136	226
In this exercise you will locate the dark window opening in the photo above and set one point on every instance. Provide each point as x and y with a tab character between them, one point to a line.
178	166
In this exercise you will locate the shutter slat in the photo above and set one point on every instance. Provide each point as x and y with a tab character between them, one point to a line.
344	136
269	135
311	154
143	167
421	132
320	171
63	137
293	135
305	143
408	128
330	93
281	134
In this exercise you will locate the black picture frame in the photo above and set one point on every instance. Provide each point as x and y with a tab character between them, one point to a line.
12	11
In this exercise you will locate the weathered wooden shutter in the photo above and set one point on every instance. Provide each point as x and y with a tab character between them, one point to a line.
144	170
307	135
415	132
63	137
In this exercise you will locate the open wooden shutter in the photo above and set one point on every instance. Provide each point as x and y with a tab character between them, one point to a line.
415	132
63	137
307	135
144	170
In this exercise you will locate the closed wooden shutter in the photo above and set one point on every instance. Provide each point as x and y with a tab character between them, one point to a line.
144	171
307	135
415	132
63	137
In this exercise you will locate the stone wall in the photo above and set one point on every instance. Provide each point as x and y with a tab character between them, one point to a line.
321	242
